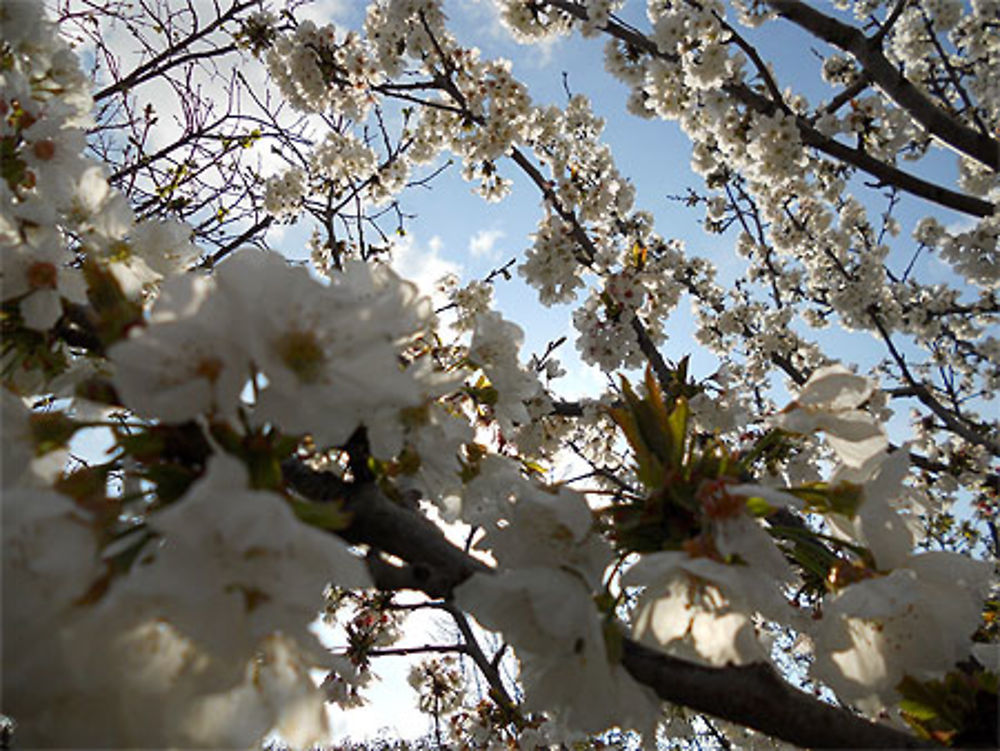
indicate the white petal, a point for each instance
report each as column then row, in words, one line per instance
column 725, row 639
column 41, row 309
column 835, row 388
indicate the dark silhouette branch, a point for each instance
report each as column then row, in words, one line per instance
column 425, row 649
column 868, row 52
column 885, row 173
column 489, row 668
column 754, row 695
column 171, row 56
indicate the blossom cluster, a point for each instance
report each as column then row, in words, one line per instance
column 177, row 582
column 258, row 318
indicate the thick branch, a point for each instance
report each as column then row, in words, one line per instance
column 753, row 696
column 652, row 354
column 435, row 565
column 883, row 172
column 868, row 52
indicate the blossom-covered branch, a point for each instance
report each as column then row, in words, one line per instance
column 867, row 51
column 747, row 553
column 750, row 695
column 885, row 173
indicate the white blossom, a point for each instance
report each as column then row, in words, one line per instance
column 916, row 621
column 830, row 401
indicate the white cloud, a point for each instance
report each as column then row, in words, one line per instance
column 961, row 224
column 276, row 234
column 323, row 11
column 483, row 243
column 485, row 15
column 423, row 267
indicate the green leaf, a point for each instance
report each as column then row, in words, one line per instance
column 681, row 373
column 116, row 313
column 639, row 255
column 771, row 443
column 614, row 641
column 487, row 395
column 844, row 498
column 285, row 445
column 959, row 710
column 677, row 425
column 97, row 389
column 917, row 711
column 147, row 445
column 758, row 507
column 648, row 467
column 172, row 480
column 264, row 469
column 87, row 485
column 651, row 429
column 408, row 461
column 533, row 467
column 654, row 397
column 13, row 169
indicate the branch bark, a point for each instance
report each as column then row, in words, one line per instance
column 885, row 173
column 868, row 52
column 754, row 696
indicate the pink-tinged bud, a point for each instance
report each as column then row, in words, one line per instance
column 717, row 503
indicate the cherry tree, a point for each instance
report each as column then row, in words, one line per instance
column 750, row 557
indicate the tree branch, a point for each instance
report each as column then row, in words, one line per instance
column 978, row 435
column 868, row 52
column 162, row 62
column 236, row 242
column 489, row 668
column 754, row 695
column 885, row 173
column 426, row 649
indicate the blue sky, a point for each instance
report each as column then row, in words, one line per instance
column 654, row 154
column 456, row 231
